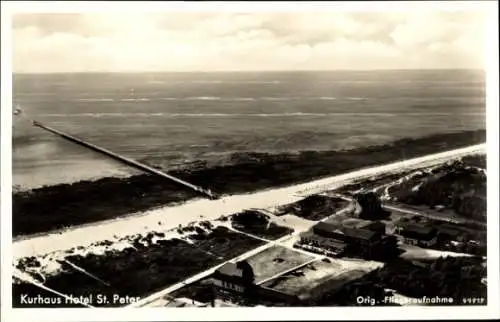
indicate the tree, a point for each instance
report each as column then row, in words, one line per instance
column 371, row 206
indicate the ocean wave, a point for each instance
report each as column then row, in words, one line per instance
column 95, row 100
column 356, row 81
column 242, row 99
column 143, row 99
column 215, row 81
column 268, row 98
column 36, row 93
column 203, row 98
column 218, row 98
column 205, row 82
column 286, row 114
column 258, row 82
column 357, row 98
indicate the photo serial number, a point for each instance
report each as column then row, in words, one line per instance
column 92, row 299
column 474, row 300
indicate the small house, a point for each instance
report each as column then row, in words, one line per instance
column 233, row 278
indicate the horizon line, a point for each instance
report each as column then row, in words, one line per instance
column 253, row 71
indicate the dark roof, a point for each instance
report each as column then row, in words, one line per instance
column 359, row 233
column 335, row 244
column 326, row 226
column 450, row 231
column 417, row 231
column 326, row 241
column 374, row 225
column 350, row 232
column 355, row 223
column 230, row 269
column 449, row 226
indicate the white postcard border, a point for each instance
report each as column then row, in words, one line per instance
column 246, row 314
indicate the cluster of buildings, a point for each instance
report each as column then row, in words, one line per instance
column 444, row 235
column 235, row 282
column 369, row 239
column 417, row 234
column 358, row 237
column 365, row 238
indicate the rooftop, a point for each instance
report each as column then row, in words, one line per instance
column 230, row 269
column 326, row 226
column 326, row 241
column 355, row 223
column 418, row 231
column 351, row 232
column 450, row 231
column 359, row 233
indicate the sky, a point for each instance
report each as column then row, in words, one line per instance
column 246, row 41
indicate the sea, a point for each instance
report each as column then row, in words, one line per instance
column 176, row 120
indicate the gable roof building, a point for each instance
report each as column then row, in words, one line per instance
column 345, row 233
column 418, row 232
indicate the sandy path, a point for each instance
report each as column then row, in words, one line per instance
column 415, row 253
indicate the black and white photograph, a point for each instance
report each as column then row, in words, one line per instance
column 238, row 158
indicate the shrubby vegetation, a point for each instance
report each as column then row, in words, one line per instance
column 314, row 207
column 455, row 277
column 477, row 160
column 259, row 224
column 453, row 186
column 371, row 206
column 371, row 183
column 146, row 267
column 60, row 206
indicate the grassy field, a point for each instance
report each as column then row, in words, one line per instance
column 321, row 276
column 274, row 260
column 259, row 224
column 315, row 207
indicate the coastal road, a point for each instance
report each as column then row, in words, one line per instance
column 422, row 213
column 441, row 217
column 170, row 217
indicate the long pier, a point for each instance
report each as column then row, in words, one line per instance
column 127, row 161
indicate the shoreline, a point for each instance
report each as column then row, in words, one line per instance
column 213, row 209
column 47, row 210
